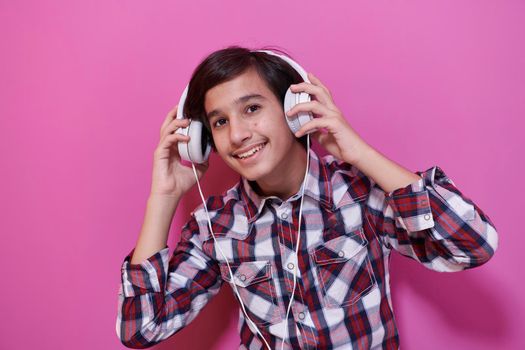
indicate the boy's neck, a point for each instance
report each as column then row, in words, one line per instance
column 287, row 179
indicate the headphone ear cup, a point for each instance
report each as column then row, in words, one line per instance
column 301, row 118
column 197, row 150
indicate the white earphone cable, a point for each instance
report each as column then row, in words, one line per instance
column 296, row 248
column 298, row 236
column 226, row 259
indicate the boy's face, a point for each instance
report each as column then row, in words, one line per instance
column 250, row 133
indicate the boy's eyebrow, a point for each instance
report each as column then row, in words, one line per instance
column 238, row 101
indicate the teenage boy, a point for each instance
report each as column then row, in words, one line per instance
column 357, row 206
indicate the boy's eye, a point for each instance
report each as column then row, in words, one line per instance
column 250, row 108
column 219, row 122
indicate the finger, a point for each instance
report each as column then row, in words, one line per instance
column 312, row 106
column 321, row 137
column 318, row 82
column 170, row 139
column 316, row 91
column 317, row 123
column 169, row 117
column 175, row 125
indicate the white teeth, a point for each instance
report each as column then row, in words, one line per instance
column 251, row 152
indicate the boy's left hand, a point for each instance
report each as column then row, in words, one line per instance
column 334, row 133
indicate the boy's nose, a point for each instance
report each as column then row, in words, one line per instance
column 239, row 131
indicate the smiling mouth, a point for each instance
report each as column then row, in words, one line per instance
column 251, row 152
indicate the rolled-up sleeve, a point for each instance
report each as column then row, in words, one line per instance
column 161, row 295
column 431, row 221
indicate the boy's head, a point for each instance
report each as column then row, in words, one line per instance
column 228, row 63
column 251, row 134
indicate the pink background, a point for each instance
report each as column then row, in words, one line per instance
column 84, row 89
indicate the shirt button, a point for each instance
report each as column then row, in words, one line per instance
column 242, row 278
column 290, row 266
column 341, row 254
column 427, row 217
column 301, row 315
column 284, row 216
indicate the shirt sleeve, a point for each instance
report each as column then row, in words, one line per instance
column 160, row 296
column 431, row 221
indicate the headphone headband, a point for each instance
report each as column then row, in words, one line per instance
column 287, row 59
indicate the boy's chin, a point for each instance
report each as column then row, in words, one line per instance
column 252, row 175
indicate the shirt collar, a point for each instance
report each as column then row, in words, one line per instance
column 318, row 187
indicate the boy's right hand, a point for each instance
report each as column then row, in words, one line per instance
column 170, row 177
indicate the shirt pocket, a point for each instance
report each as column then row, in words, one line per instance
column 343, row 269
column 256, row 289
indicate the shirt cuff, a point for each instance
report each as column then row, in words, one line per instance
column 147, row 277
column 411, row 204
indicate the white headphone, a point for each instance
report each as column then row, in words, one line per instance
column 197, row 150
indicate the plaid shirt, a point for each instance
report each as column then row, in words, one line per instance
column 342, row 298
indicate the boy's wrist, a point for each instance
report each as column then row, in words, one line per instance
column 162, row 197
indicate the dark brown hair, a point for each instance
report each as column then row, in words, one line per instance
column 228, row 63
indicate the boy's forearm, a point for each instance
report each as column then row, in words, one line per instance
column 387, row 174
column 155, row 228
